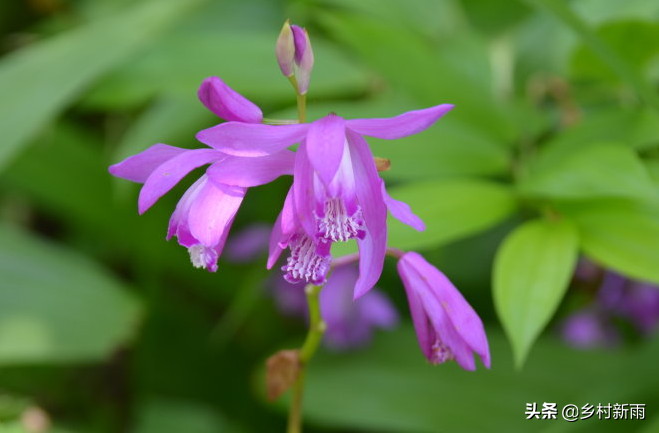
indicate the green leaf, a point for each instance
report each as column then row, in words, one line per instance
column 622, row 236
column 458, row 68
column 451, row 209
column 610, row 57
column 56, row 305
column 591, row 171
column 160, row 415
column 632, row 40
column 532, row 270
column 37, row 82
column 200, row 54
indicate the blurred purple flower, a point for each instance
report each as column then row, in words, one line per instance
column 350, row 323
column 447, row 327
column 337, row 194
column 248, row 244
column 203, row 216
column 617, row 298
column 587, row 329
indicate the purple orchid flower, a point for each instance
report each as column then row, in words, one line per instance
column 446, row 326
column 203, row 216
column 337, row 194
column 294, row 55
column 350, row 324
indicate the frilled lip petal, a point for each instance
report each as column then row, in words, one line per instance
column 402, row 212
column 373, row 247
column 213, row 211
column 325, row 143
column 137, row 168
column 391, row 128
column 168, row 174
column 247, row 172
column 227, row 103
column 247, row 139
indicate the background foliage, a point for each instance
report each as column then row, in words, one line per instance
column 551, row 153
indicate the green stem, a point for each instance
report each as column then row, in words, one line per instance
column 311, row 343
column 302, row 107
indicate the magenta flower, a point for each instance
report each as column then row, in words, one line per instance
column 350, row 323
column 295, row 56
column 203, row 216
column 337, row 194
column 446, row 325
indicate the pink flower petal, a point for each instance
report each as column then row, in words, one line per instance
column 212, row 212
column 247, row 139
column 400, row 126
column 168, row 174
column 402, row 212
column 227, row 103
column 325, row 143
column 137, row 168
column 245, row 171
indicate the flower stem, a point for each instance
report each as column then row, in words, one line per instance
column 314, row 336
column 302, row 107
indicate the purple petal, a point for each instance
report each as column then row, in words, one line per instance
column 461, row 315
column 178, row 223
column 283, row 228
column 325, row 143
column 373, row 247
column 137, row 168
column 300, row 40
column 212, row 212
column 246, row 172
column 247, row 139
column 171, row 172
column 424, row 333
column 248, row 244
column 402, row 212
column 304, row 191
column 227, row 103
column 400, row 126
column 377, row 309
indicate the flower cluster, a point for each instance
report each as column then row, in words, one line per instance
column 337, row 195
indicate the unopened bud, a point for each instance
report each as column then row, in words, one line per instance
column 303, row 58
column 286, row 50
column 382, row 164
column 282, row 370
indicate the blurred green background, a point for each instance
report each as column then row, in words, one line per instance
column 105, row 327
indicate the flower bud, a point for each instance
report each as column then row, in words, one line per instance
column 303, row 58
column 286, row 50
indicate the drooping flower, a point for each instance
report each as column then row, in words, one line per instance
column 447, row 327
column 350, row 323
column 337, row 194
column 203, row 216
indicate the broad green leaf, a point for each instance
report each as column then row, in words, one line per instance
column 455, row 71
column 199, row 54
column 622, row 236
column 532, row 270
column 451, row 209
column 158, row 415
column 591, row 171
column 37, row 82
column 637, row 128
column 56, row 305
column 618, row 64
column 361, row 391
column 632, row 40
